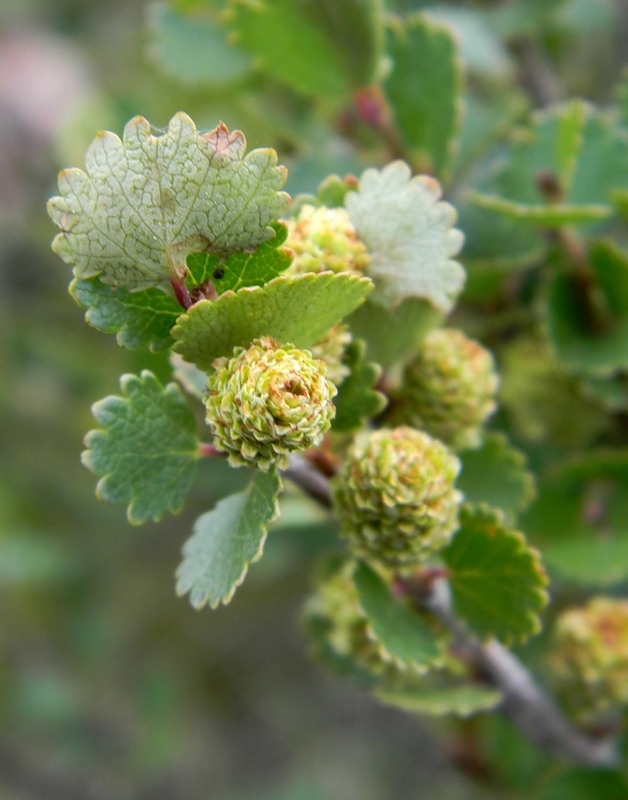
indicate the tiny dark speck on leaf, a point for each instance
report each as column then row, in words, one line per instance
column 219, row 273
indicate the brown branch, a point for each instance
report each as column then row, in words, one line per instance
column 524, row 702
column 302, row 473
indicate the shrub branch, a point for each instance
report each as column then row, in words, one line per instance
column 527, row 706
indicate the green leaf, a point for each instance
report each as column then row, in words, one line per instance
column 497, row 581
column 356, row 399
column 393, row 335
column 550, row 216
column 610, row 393
column 585, row 784
column 146, row 453
column 140, row 319
column 481, row 51
column 147, row 201
column 440, row 697
column 297, row 310
column 496, row 474
column 319, row 47
column 243, row 269
column 496, row 242
column 409, row 236
column 226, row 540
column 486, row 121
column 193, row 48
column 587, row 323
column 562, row 169
column 424, row 87
column 401, row 631
column 581, row 518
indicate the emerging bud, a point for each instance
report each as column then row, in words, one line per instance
column 266, row 401
column 589, row 660
column 395, row 496
column 449, row 388
column 331, row 349
column 324, row 239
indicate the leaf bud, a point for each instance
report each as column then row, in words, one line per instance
column 448, row 389
column 589, row 658
column 324, row 239
column 268, row 400
column 395, row 496
column 331, row 349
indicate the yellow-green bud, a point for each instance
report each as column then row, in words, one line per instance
column 589, row 659
column 324, row 239
column 268, row 400
column 395, row 496
column 449, row 388
column 331, row 349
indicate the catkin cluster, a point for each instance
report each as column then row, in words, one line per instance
column 267, row 401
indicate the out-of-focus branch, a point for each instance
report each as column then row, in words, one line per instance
column 524, row 702
column 302, row 473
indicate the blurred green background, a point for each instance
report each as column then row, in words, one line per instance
column 110, row 686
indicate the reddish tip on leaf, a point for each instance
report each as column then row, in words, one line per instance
column 221, row 139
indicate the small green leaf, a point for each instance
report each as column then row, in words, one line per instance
column 581, row 518
column 409, row 236
column 192, row 47
column 496, row 474
column 356, row 399
column 588, row 324
column 296, row 310
column 147, row 201
column 226, row 540
column 243, row 269
column 333, row 191
column 497, row 581
column 319, row 47
column 562, row 170
column 424, row 87
column 401, row 631
column 440, row 697
column 140, row 319
column 146, row 453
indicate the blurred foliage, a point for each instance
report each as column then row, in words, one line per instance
column 110, row 687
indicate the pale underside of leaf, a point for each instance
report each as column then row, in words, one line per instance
column 409, row 235
column 146, row 201
column 226, row 541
